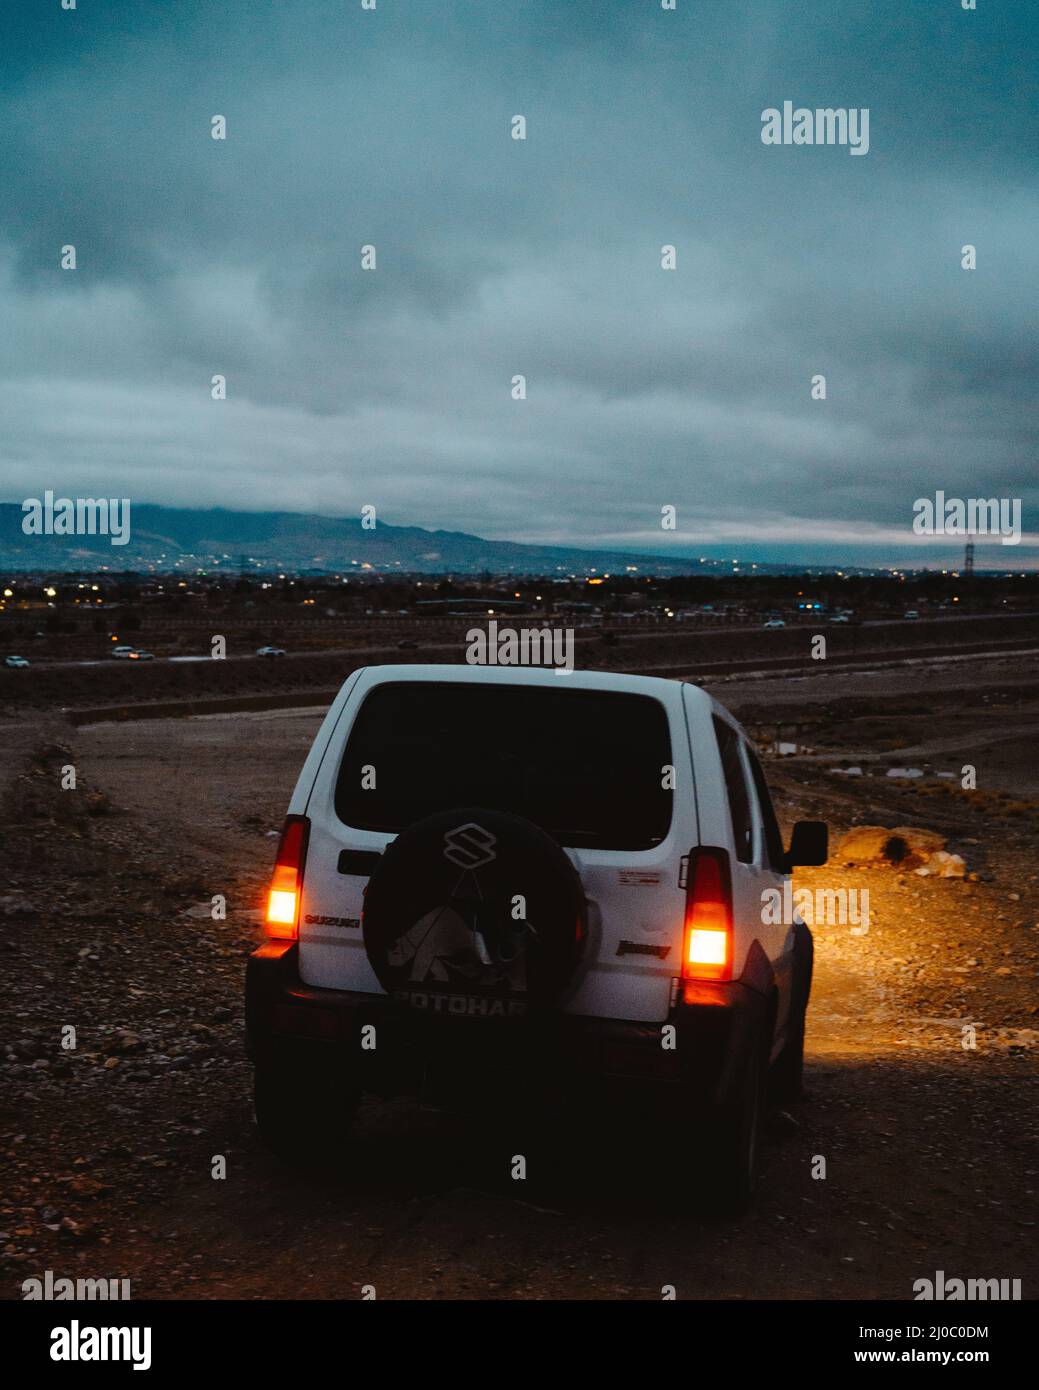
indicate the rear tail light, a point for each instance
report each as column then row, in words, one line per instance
column 287, row 880
column 707, row 945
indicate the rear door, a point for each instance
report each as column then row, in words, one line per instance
column 636, row 899
column 607, row 772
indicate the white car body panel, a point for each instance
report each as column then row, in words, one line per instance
column 633, row 895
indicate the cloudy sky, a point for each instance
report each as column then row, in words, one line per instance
column 498, row 257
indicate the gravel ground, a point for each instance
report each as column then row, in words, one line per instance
column 108, row 1149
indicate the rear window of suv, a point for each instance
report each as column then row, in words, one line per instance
column 584, row 765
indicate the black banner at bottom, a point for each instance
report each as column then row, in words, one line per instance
column 181, row 1338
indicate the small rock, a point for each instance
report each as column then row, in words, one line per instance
column 948, row 865
column 904, row 847
column 16, row 905
column 84, row 1231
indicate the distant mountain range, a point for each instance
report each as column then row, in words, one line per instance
column 189, row 539
column 186, row 539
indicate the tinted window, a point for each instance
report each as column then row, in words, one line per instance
column 736, row 786
column 773, row 839
column 585, row 765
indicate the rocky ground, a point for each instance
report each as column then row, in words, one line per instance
column 108, row 1149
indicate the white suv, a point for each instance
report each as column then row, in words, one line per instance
column 514, row 874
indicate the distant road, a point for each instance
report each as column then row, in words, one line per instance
column 585, row 634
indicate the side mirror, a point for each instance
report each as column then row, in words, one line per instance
column 809, row 844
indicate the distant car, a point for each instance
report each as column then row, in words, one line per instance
column 911, row 613
column 122, row 653
column 840, row 618
column 775, row 622
column 270, row 651
column 407, row 646
column 15, row 662
column 137, row 655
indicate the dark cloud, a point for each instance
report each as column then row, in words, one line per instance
column 499, row 257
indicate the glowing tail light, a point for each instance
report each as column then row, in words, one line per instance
column 287, row 880
column 707, row 947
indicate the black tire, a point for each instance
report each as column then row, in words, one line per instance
column 304, row 1108
column 787, row 1080
column 729, row 1140
column 440, row 920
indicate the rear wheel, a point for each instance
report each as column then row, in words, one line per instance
column 304, row 1109
column 787, row 1080
column 727, row 1143
column 788, row 1072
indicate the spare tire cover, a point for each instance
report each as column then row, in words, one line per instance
column 474, row 913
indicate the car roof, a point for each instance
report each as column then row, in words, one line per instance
column 656, row 686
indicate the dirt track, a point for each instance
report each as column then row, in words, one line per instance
column 930, row 1149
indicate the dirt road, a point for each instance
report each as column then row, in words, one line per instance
column 108, row 1150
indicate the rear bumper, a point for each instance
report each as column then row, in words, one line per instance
column 702, row 1051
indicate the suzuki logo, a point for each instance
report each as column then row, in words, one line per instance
column 469, row 846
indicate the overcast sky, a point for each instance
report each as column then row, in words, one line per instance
column 497, row 257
